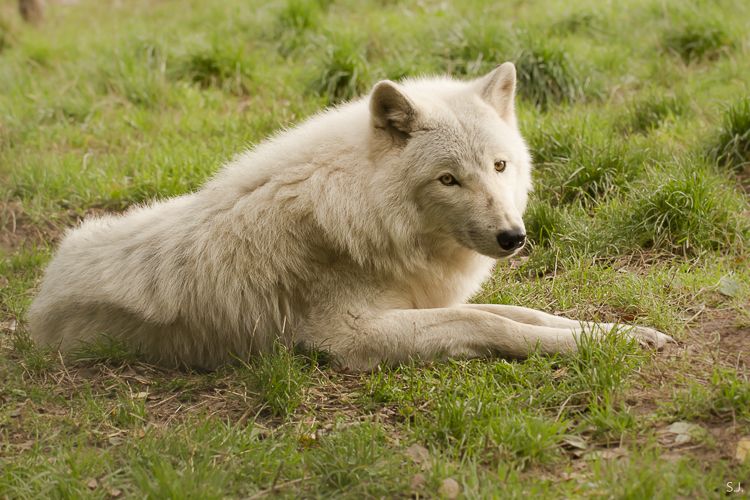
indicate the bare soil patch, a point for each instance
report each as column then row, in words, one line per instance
column 728, row 333
column 18, row 230
column 719, row 337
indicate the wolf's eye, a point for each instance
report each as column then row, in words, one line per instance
column 500, row 165
column 448, row 180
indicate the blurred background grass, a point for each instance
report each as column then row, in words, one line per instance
column 638, row 117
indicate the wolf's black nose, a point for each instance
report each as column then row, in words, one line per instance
column 510, row 240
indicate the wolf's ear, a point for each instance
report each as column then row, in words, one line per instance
column 392, row 110
column 498, row 88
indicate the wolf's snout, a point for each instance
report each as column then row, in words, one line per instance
column 511, row 240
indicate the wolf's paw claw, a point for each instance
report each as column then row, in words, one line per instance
column 651, row 338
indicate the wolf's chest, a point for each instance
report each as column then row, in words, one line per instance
column 447, row 283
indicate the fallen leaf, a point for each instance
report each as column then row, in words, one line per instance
column 575, row 442
column 607, row 454
column 683, row 432
column 729, row 286
column 682, row 438
column 92, row 484
column 114, row 492
column 449, row 488
column 743, row 449
column 8, row 325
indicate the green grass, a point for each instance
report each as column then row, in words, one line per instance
column 343, row 70
column 548, row 75
column 726, row 395
column 636, row 116
column 732, row 145
column 697, row 40
column 280, row 379
column 224, row 65
column 689, row 212
column 652, row 112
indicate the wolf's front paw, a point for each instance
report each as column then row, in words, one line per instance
column 649, row 337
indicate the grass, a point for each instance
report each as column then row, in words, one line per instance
column 280, row 379
column 732, row 145
column 639, row 132
column 224, row 66
column 652, row 112
column 687, row 213
column 343, row 71
column 697, row 40
column 726, row 395
column 548, row 75
column 475, row 48
column 299, row 15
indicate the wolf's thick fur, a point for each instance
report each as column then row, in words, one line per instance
column 362, row 232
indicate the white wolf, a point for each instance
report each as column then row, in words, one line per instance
column 361, row 232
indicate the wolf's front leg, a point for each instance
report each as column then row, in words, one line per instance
column 528, row 316
column 361, row 342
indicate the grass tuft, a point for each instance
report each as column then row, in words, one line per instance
column 280, row 378
column 608, row 421
column 595, row 173
column 652, row 112
column 496, row 411
column 725, row 396
column 343, row 72
column 299, row 15
column 105, row 350
column 544, row 223
column 579, row 164
column 547, row 75
column 732, row 146
column 160, row 477
column 136, row 72
column 35, row 361
column 651, row 476
column 602, row 364
column 6, row 35
column 697, row 40
column 578, row 22
column 129, row 410
column 296, row 20
column 352, row 461
column 526, row 439
column 222, row 65
column 476, row 49
column 687, row 212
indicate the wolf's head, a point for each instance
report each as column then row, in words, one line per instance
column 456, row 147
